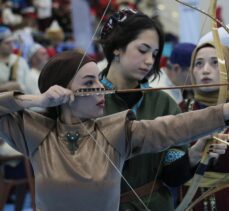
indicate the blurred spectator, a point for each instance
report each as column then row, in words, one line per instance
column 44, row 13
column 179, row 63
column 176, row 71
column 8, row 17
column 37, row 58
column 55, row 34
column 14, row 68
column 62, row 13
column 30, row 17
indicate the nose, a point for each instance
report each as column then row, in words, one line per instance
column 149, row 59
column 99, row 84
column 206, row 68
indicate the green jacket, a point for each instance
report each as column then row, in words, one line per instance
column 142, row 169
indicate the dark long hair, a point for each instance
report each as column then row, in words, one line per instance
column 121, row 33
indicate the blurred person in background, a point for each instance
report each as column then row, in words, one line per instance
column 37, row 58
column 205, row 70
column 176, row 72
column 44, row 13
column 14, row 69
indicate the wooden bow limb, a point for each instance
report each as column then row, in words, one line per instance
column 196, row 179
column 219, row 52
column 207, row 194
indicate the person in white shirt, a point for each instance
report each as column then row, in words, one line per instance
column 44, row 13
column 37, row 57
column 14, row 68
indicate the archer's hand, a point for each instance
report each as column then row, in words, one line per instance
column 218, row 148
column 214, row 151
column 56, row 95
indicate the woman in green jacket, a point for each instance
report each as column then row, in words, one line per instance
column 132, row 44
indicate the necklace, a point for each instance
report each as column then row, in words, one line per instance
column 71, row 139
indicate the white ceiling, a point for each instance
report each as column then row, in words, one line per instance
column 169, row 14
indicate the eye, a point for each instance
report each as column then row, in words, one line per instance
column 143, row 49
column 198, row 63
column 214, row 62
column 88, row 83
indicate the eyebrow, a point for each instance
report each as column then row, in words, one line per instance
column 89, row 76
column 149, row 47
column 146, row 45
column 211, row 57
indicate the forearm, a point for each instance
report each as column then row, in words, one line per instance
column 194, row 156
column 16, row 101
column 27, row 101
column 177, row 130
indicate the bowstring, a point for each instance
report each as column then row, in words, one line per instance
column 112, row 163
column 100, row 148
column 94, row 34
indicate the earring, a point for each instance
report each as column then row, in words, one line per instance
column 117, row 58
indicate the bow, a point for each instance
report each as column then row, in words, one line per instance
column 221, row 99
column 105, row 152
column 219, row 52
column 207, row 194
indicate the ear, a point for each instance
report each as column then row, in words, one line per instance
column 116, row 52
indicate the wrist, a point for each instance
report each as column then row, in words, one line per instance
column 194, row 156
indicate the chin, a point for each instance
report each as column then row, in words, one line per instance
column 138, row 78
column 100, row 113
column 97, row 115
column 210, row 89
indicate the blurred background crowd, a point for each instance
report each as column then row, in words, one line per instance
column 60, row 25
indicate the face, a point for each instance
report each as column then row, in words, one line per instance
column 138, row 58
column 6, row 47
column 92, row 106
column 41, row 57
column 179, row 75
column 206, row 70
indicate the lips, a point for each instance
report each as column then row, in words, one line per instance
column 101, row 103
column 206, row 80
column 144, row 70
